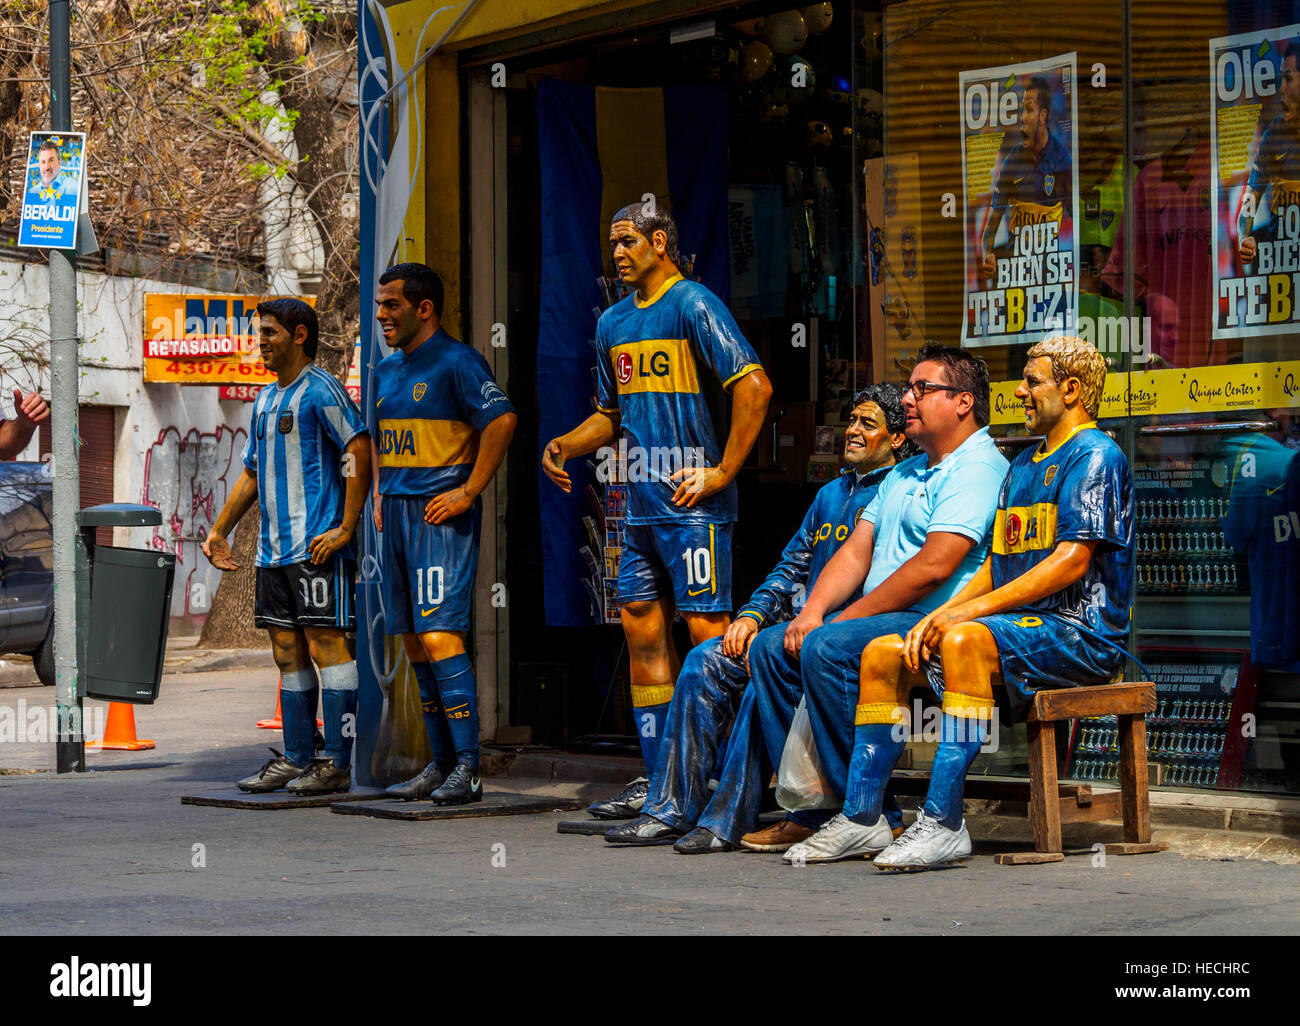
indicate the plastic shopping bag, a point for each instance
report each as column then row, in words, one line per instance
column 800, row 784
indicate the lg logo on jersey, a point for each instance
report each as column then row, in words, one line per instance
column 660, row 366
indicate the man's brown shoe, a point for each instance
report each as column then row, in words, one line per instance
column 776, row 838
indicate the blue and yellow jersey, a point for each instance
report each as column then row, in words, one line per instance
column 647, row 369
column 1080, row 491
column 429, row 409
column 1277, row 163
column 830, row 520
column 1034, row 189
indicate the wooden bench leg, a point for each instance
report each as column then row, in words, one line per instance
column 1044, row 796
column 1134, row 794
column 1136, row 800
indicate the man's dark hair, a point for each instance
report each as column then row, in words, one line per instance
column 419, row 282
column 47, row 145
column 1292, row 51
column 966, row 372
column 291, row 313
column 1042, row 91
column 648, row 218
column 890, row 400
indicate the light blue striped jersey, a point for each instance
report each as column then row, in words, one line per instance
column 295, row 447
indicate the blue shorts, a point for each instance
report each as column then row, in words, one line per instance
column 690, row 562
column 1040, row 649
column 428, row 570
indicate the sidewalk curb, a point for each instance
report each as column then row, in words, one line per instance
column 209, row 660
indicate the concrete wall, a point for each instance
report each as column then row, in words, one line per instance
column 178, row 447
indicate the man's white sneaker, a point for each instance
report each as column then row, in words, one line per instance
column 926, row 844
column 841, row 838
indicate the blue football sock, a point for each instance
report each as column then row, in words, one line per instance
column 339, row 698
column 960, row 738
column 876, row 748
column 460, row 706
column 298, row 714
column 435, row 723
column 650, row 704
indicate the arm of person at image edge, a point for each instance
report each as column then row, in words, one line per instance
column 486, row 407
column 29, row 411
column 1083, row 524
column 777, row 592
column 958, row 523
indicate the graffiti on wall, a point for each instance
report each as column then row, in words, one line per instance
column 187, row 475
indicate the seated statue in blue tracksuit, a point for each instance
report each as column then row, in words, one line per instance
column 1048, row 608
column 919, row 541
column 716, row 672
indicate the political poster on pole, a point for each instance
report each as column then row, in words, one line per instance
column 1020, row 200
column 52, row 190
column 1255, row 177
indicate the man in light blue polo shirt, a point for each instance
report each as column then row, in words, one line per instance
column 923, row 536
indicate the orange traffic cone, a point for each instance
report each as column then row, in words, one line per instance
column 119, row 733
column 275, row 722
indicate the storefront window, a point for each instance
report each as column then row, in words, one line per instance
column 1188, row 289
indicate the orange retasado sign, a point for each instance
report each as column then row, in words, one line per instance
column 203, row 339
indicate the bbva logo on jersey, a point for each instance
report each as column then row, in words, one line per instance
column 396, row 441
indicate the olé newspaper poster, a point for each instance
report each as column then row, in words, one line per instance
column 1255, row 175
column 1020, row 200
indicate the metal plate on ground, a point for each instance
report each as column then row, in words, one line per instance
column 587, row 826
column 498, row 803
column 233, row 798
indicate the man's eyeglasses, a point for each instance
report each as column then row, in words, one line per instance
column 923, row 388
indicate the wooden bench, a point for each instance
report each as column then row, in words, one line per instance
column 1051, row 803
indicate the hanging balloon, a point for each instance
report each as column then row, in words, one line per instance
column 819, row 135
column 755, row 61
column 818, row 18
column 721, row 59
column 785, row 32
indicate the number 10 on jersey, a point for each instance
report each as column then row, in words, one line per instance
column 426, row 592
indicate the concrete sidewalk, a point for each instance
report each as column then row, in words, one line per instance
column 114, row 850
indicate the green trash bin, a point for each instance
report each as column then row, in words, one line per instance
column 130, row 609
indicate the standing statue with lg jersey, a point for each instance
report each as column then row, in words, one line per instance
column 307, row 462
column 677, row 542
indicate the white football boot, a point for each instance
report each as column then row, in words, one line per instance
column 841, row 838
column 926, row 844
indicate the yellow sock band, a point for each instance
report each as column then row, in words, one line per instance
column 644, row 695
column 880, row 712
column 966, row 706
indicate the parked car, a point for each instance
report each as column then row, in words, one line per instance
column 27, row 564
